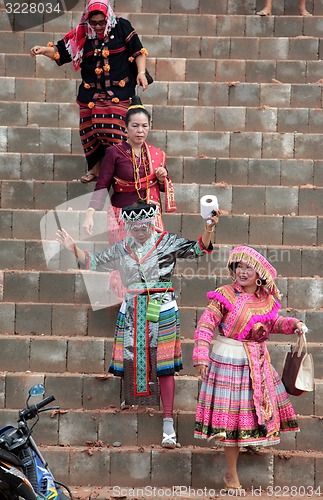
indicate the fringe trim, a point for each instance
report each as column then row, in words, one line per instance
column 262, row 318
column 216, row 295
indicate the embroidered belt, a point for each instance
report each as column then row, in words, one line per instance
column 129, row 187
column 145, row 289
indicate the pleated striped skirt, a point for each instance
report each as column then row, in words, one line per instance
column 101, row 127
column 226, row 412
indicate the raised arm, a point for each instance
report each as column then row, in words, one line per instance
column 67, row 241
column 41, row 50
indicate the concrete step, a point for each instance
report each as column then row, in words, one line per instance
column 137, row 426
column 183, row 69
column 269, row 230
column 162, row 23
column 186, row 24
column 290, row 145
column 260, row 200
column 224, row 25
column 182, row 118
column 68, row 287
column 79, row 320
column 153, row 467
column 182, row 169
column 188, row 492
column 55, row 91
column 204, row 47
column 41, row 352
column 291, row 261
column 231, row 7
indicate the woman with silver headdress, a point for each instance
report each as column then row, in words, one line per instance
column 147, row 336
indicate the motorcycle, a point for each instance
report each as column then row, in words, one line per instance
column 24, row 473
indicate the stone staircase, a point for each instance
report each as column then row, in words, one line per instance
column 237, row 106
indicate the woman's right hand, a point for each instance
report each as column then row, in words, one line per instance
column 37, row 50
column 88, row 223
column 65, row 239
column 40, row 50
column 202, row 371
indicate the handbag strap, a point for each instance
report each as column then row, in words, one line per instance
column 301, row 345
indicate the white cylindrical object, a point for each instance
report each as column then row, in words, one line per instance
column 208, row 203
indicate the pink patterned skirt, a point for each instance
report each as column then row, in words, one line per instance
column 226, row 410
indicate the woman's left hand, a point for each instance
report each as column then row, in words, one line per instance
column 213, row 220
column 142, row 80
column 161, row 174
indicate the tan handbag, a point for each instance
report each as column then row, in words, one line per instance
column 298, row 371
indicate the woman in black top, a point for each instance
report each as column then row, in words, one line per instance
column 112, row 60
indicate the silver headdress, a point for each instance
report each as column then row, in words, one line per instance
column 139, row 213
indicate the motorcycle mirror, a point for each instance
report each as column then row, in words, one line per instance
column 37, row 390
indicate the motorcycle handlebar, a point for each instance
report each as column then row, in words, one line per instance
column 32, row 411
column 45, row 402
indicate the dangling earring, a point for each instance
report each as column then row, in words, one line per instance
column 258, row 282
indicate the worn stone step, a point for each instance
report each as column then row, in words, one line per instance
column 92, row 355
column 79, row 320
column 230, row 7
column 70, row 320
column 161, row 23
column 197, row 24
column 233, row 119
column 225, row 25
column 259, row 200
column 256, row 230
column 182, row 69
column 101, row 493
column 58, row 90
column 29, row 254
column 204, row 47
column 232, row 229
column 153, row 466
column 182, row 118
column 69, row 287
column 65, row 140
column 108, row 424
column 182, row 169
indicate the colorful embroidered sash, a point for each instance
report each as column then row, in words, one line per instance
column 264, row 396
column 141, row 361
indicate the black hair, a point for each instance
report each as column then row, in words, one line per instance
column 136, row 107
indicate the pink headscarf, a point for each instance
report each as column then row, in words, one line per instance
column 75, row 39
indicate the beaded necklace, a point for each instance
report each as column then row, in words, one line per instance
column 136, row 173
column 97, row 49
